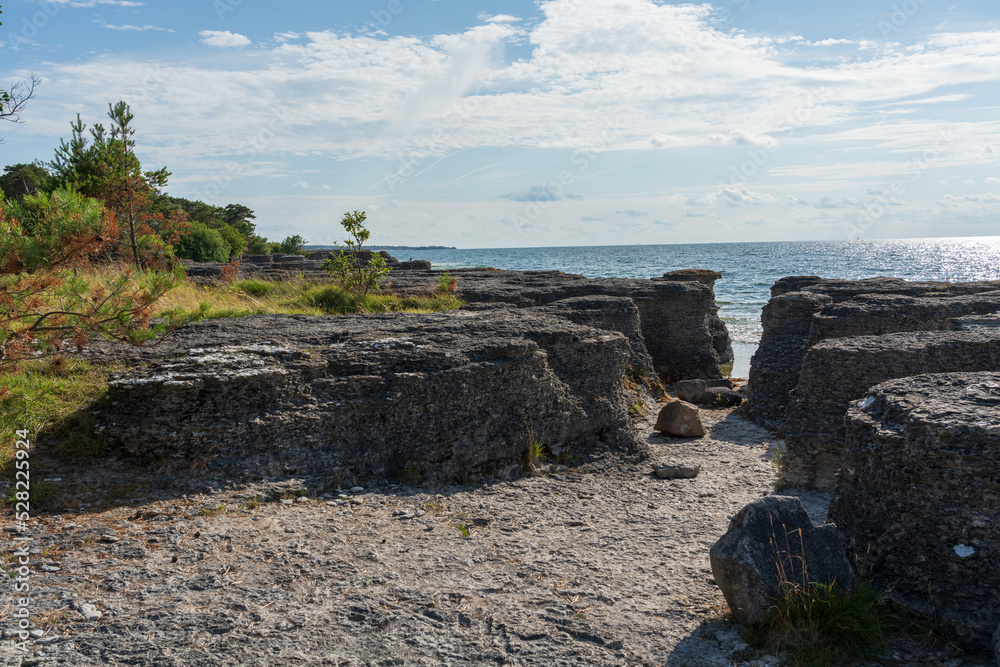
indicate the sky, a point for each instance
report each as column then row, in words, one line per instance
column 539, row 123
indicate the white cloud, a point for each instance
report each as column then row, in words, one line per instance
column 949, row 201
column 140, row 28
column 732, row 195
column 601, row 76
column 743, row 138
column 992, row 179
column 223, row 38
column 499, row 18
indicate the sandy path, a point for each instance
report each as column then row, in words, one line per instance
column 600, row 564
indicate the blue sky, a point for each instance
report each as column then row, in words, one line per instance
column 557, row 122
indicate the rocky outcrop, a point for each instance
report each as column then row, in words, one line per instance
column 805, row 310
column 835, row 373
column 771, row 546
column 368, row 397
column 280, row 266
column 918, row 499
column 679, row 319
column 610, row 313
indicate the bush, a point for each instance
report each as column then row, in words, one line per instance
column 202, row 244
column 350, row 267
column 45, row 229
column 292, row 245
column 258, row 245
column 237, row 242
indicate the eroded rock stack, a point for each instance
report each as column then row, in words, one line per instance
column 825, row 342
column 679, row 317
column 281, row 266
column 918, row 500
column 444, row 395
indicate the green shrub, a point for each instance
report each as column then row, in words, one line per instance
column 349, row 266
column 237, row 242
column 202, row 244
column 291, row 245
column 38, row 229
column 258, row 245
column 256, row 288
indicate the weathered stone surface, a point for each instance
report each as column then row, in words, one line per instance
column 837, row 372
column 680, row 323
column 721, row 397
column 449, row 394
column 918, row 498
column 677, row 470
column 680, row 419
column 690, row 390
column 793, row 321
column 769, row 536
column 720, row 382
column 996, row 645
column 610, row 313
column 703, row 276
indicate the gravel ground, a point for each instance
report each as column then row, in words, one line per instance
column 592, row 563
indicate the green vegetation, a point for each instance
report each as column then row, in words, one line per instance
column 446, row 283
column 815, row 626
column 354, row 272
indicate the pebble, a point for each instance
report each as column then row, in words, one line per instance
column 302, row 499
column 37, row 633
column 89, row 612
column 287, row 501
column 677, row 470
column 357, row 489
column 49, row 568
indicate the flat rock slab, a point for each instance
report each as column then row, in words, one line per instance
column 918, row 499
column 442, row 396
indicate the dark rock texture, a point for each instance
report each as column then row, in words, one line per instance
column 805, row 310
column 680, row 323
column 918, row 499
column 837, row 372
column 367, row 397
column 281, row 267
column 610, row 313
column 769, row 536
column 703, row 276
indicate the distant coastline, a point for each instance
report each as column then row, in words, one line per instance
column 387, row 247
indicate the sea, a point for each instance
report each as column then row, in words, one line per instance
column 748, row 269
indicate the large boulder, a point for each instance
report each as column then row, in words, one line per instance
column 690, row 390
column 679, row 419
column 771, row 545
column 449, row 394
column 918, row 497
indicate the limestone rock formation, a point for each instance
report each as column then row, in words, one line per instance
column 679, row 319
column 448, row 395
column 918, row 498
column 838, row 372
column 679, row 419
column 805, row 310
column 771, row 536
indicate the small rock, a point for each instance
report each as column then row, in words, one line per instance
column 89, row 612
column 49, row 568
column 690, row 390
column 302, row 499
column 357, row 489
column 677, row 470
column 680, row 418
column 721, row 397
column 287, row 501
column 37, row 633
